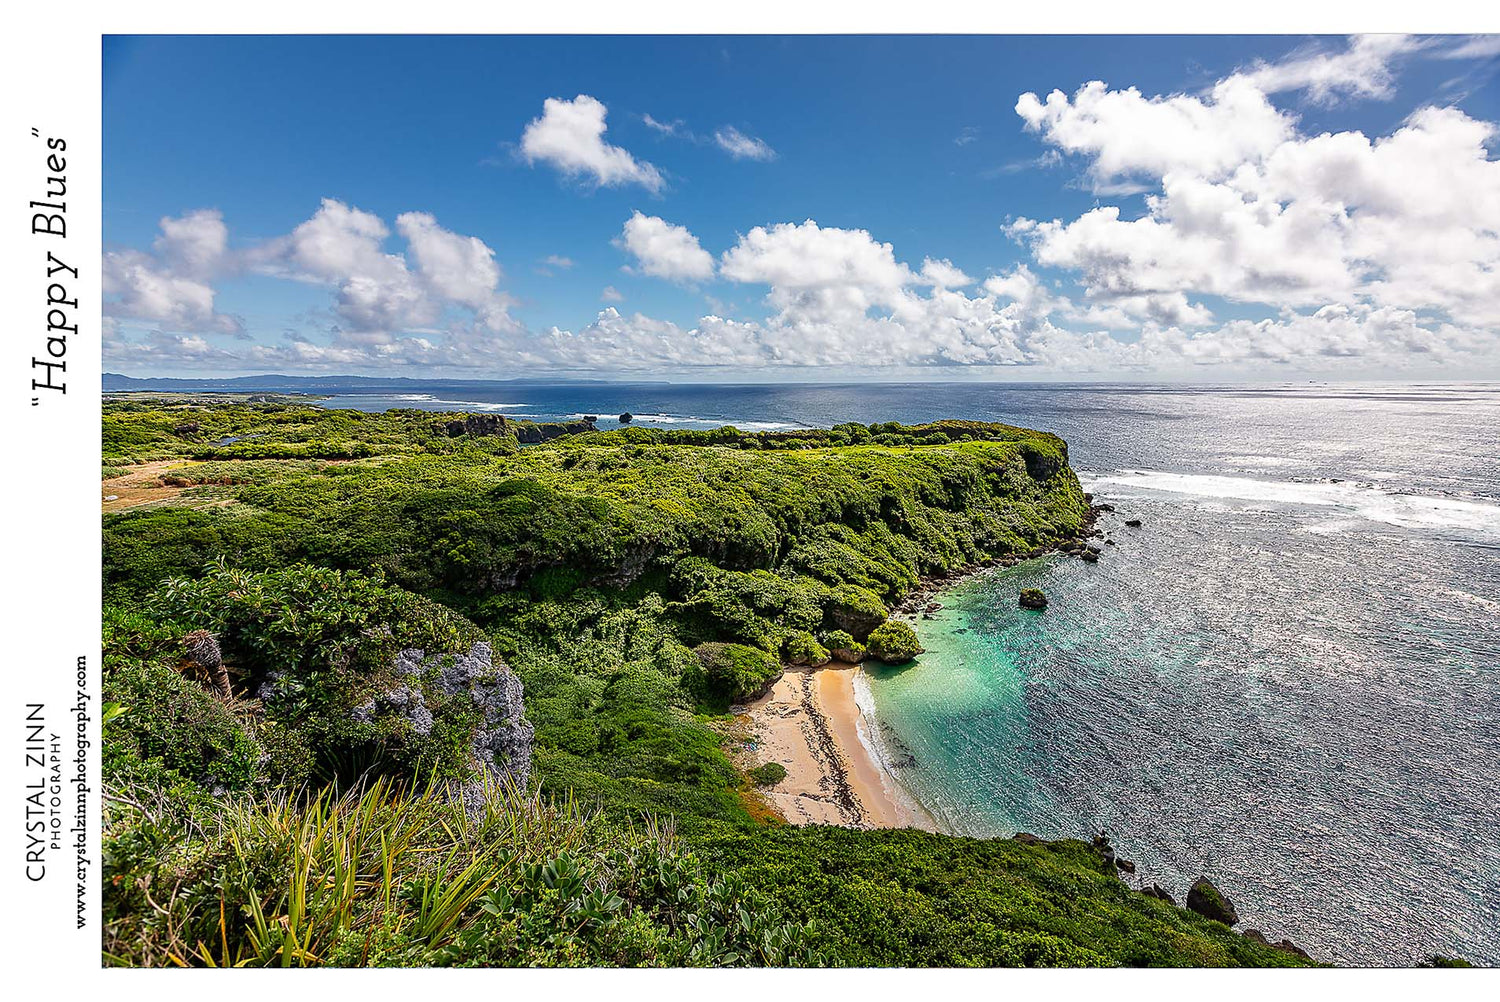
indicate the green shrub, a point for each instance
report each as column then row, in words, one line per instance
column 894, row 643
column 899, row 898
column 802, row 648
column 856, row 610
column 319, row 649
column 768, row 774
column 844, row 647
column 730, row 672
column 165, row 717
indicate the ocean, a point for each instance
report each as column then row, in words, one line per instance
column 1287, row 678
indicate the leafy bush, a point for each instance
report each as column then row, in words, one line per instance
column 894, row 643
column 856, row 610
column 803, row 649
column 768, row 774
column 844, row 647
column 730, row 672
column 350, row 673
column 169, row 719
column 898, row 898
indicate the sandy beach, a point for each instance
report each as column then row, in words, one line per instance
column 809, row 722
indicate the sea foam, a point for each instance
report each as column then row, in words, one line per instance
column 1368, row 501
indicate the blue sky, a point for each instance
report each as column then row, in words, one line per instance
column 917, row 141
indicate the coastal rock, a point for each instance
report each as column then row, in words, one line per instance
column 1160, row 893
column 1090, row 556
column 627, row 417
column 1026, row 838
column 1134, row 523
column 1106, row 851
column 1125, row 865
column 1032, row 598
column 501, row 741
column 1285, row 945
column 478, row 424
column 1207, row 900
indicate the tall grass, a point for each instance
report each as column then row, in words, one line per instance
column 388, row 875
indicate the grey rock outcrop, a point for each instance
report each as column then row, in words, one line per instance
column 1207, row 900
column 502, row 740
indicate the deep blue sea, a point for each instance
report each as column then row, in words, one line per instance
column 1288, row 678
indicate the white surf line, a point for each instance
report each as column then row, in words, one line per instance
column 867, row 726
column 1412, row 511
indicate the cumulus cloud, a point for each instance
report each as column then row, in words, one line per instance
column 665, row 250
column 611, row 295
column 943, row 274
column 172, row 287
column 569, row 135
column 1124, row 132
column 743, row 147
column 379, row 293
column 828, row 273
column 194, row 244
column 1408, row 220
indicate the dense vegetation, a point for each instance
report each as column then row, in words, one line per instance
column 379, row 587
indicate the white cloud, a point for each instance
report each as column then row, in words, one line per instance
column 1361, row 70
column 1473, row 47
column 743, row 147
column 1124, row 132
column 823, row 274
column 458, row 268
column 943, row 274
column 569, row 135
column 671, row 128
column 195, row 243
column 1408, row 220
column 378, row 293
column 172, row 287
column 611, row 295
column 665, row 250
column 558, row 261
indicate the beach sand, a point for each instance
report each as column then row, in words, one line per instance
column 809, row 722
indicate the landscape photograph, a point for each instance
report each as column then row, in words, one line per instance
column 800, row 501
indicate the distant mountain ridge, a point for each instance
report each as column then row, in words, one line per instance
column 115, row 382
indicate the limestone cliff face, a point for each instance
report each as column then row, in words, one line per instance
column 502, row 737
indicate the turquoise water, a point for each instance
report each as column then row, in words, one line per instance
column 1237, row 688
